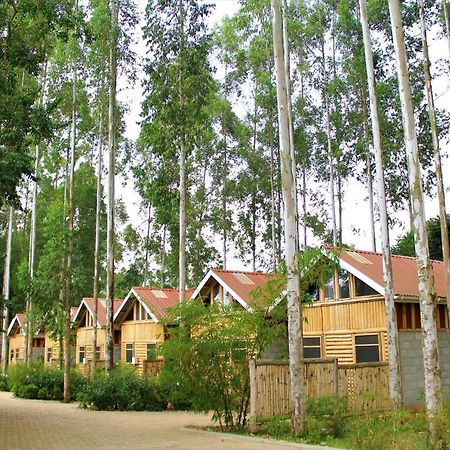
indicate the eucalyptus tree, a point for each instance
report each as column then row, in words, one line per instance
column 437, row 154
column 433, row 400
column 392, row 331
column 177, row 87
column 294, row 311
column 6, row 292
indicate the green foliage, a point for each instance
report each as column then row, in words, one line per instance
column 4, row 382
column 206, row 358
column 40, row 382
column 121, row 390
column 326, row 416
column 405, row 245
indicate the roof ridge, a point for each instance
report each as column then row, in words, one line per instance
column 241, row 271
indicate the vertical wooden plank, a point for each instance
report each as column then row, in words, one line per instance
column 335, row 377
column 253, row 396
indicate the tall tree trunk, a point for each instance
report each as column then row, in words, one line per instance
column 296, row 364
column 68, row 282
column 5, row 292
column 395, row 390
column 224, row 177
column 182, row 162
column 368, row 165
column 272, row 194
column 437, row 157
column 112, row 130
column 433, row 399
column 329, row 147
column 447, row 24
column 31, row 259
column 163, row 254
column 97, row 245
column 287, row 69
column 147, row 242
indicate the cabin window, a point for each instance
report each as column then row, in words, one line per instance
column 314, row 293
column 363, row 289
column 142, row 313
column 344, row 289
column 129, row 353
column 329, row 289
column 367, row 348
column 151, row 352
column 130, row 314
column 17, row 354
column 12, row 355
column 311, row 347
column 97, row 352
column 49, row 354
column 81, row 355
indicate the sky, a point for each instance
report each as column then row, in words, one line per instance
column 356, row 206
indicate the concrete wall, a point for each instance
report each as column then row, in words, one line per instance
column 411, row 360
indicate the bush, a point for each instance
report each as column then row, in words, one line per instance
column 122, row 390
column 41, row 382
column 326, row 416
column 4, row 382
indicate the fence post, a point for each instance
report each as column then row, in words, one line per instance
column 336, row 376
column 253, row 395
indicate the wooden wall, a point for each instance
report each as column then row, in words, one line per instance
column 84, row 339
column 140, row 333
column 337, row 323
column 16, row 342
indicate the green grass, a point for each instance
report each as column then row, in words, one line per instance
column 400, row 430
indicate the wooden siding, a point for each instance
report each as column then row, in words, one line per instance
column 350, row 315
column 140, row 333
column 337, row 324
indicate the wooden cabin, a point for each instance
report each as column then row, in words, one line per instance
column 139, row 318
column 347, row 318
column 16, row 337
column 54, row 349
column 84, row 327
column 232, row 286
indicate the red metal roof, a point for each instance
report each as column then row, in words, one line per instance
column 243, row 283
column 101, row 309
column 404, row 270
column 159, row 300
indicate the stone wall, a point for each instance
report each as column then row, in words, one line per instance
column 411, row 360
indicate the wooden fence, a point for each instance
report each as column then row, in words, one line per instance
column 152, row 368
column 364, row 384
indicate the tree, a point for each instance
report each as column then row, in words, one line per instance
column 424, row 270
column 206, row 357
column 6, row 292
column 392, row 332
column 296, row 364
column 405, row 244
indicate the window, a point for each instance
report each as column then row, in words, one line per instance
column 81, row 355
column 151, row 352
column 97, row 352
column 344, row 290
column 49, row 354
column 313, row 292
column 363, row 289
column 311, row 347
column 129, row 353
column 329, row 289
column 367, row 348
column 17, row 354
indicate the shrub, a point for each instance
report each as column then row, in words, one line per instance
column 122, row 390
column 41, row 382
column 326, row 416
column 4, row 382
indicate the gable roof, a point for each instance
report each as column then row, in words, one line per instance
column 17, row 322
column 240, row 284
column 156, row 301
column 88, row 303
column 368, row 266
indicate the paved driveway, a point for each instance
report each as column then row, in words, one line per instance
column 36, row 424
